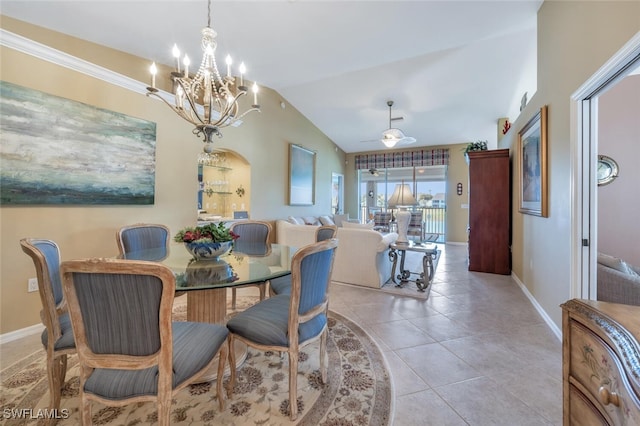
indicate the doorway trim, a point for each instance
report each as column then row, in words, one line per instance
column 583, row 151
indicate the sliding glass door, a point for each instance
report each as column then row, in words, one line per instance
column 428, row 184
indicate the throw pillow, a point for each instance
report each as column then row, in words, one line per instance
column 311, row 220
column 338, row 219
column 294, row 220
column 613, row 263
column 357, row 225
column 327, row 221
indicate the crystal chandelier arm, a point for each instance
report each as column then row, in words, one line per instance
column 178, row 111
column 188, row 93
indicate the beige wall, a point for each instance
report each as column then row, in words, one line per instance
column 87, row 231
column 458, row 171
column 574, row 40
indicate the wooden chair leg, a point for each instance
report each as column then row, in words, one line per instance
column 56, row 370
column 86, row 407
column 232, row 365
column 263, row 290
column 293, row 385
column 222, row 355
column 323, row 356
column 233, row 299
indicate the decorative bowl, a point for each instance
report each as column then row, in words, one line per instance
column 209, row 272
column 208, row 250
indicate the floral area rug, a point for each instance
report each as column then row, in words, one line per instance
column 358, row 391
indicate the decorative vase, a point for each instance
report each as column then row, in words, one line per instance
column 208, row 250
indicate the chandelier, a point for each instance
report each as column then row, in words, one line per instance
column 218, row 95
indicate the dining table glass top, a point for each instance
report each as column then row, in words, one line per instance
column 243, row 264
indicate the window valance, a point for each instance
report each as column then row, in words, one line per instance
column 389, row 160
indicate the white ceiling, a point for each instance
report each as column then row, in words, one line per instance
column 453, row 68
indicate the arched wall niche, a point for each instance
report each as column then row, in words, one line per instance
column 224, row 185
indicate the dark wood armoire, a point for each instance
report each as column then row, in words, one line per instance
column 490, row 211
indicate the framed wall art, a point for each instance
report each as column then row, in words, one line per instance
column 337, row 193
column 302, row 172
column 532, row 154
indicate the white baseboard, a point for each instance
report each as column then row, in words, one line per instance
column 547, row 319
column 19, row 334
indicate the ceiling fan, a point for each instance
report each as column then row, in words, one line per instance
column 394, row 136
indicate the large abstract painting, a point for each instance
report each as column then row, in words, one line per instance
column 59, row 151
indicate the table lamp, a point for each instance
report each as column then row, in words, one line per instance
column 401, row 199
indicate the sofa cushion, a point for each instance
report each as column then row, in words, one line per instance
column 368, row 225
column 386, row 240
column 339, row 219
column 614, row 263
column 327, row 221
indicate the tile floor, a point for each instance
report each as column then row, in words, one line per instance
column 476, row 352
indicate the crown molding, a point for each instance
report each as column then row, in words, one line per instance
column 49, row 54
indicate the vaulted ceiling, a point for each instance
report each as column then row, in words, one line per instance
column 452, row 68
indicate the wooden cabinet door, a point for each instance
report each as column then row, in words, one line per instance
column 489, row 212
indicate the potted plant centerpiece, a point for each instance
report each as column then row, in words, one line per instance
column 474, row 146
column 207, row 241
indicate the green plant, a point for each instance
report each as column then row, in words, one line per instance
column 476, row 146
column 214, row 233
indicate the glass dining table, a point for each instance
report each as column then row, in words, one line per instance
column 206, row 281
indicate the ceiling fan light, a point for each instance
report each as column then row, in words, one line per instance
column 393, row 133
column 389, row 143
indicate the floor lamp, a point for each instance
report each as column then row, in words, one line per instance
column 401, row 199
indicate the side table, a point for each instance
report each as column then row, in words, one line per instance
column 425, row 278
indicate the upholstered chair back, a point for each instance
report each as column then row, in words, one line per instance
column 144, row 236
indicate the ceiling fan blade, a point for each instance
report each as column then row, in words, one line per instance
column 407, row 140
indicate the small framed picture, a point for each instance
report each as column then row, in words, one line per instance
column 532, row 153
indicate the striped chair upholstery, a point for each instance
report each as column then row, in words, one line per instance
column 144, row 236
column 254, row 238
column 282, row 285
column 286, row 323
column 381, row 221
column 129, row 349
column 416, row 225
column 326, row 233
column 57, row 337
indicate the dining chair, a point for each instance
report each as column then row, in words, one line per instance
column 251, row 233
column 129, row 350
column 282, row 285
column 144, row 236
column 57, row 337
column 286, row 323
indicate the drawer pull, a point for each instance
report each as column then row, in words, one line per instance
column 607, row 397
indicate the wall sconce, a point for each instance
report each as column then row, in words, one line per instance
column 459, row 188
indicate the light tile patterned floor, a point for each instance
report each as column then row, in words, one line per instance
column 475, row 353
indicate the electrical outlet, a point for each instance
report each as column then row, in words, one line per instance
column 32, row 285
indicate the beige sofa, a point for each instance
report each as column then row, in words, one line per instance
column 362, row 257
